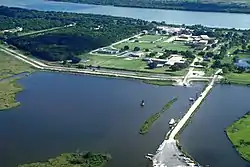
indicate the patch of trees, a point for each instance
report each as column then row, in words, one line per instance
column 69, row 42
column 179, row 66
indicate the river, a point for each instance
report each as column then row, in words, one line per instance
column 212, row 19
column 63, row 113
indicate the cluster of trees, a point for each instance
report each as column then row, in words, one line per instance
column 88, row 159
column 90, row 32
column 201, row 5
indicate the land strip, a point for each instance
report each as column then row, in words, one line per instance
column 239, row 134
column 10, row 68
column 74, row 159
column 149, row 122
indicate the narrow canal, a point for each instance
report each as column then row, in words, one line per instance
column 204, row 138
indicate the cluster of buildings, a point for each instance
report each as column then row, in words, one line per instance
column 165, row 30
column 170, row 61
column 199, row 42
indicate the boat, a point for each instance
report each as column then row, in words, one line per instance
column 142, row 103
column 191, row 99
column 171, row 122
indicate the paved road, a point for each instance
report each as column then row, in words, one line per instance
column 112, row 73
column 168, row 155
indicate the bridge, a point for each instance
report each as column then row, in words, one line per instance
column 168, row 154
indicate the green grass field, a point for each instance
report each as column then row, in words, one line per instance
column 239, row 134
column 238, row 78
column 116, row 62
column 150, row 37
column 11, row 66
column 127, row 64
column 158, row 46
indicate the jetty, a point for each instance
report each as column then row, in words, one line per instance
column 168, row 154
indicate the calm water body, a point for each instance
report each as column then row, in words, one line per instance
column 204, row 137
column 62, row 113
column 228, row 20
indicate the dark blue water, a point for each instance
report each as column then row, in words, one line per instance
column 63, row 113
column 204, row 138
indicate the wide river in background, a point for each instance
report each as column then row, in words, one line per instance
column 63, row 113
column 212, row 19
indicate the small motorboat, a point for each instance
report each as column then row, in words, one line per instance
column 171, row 122
column 142, row 103
column 191, row 99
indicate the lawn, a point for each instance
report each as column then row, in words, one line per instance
column 239, row 134
column 10, row 66
column 127, row 64
column 150, row 37
column 180, row 46
column 116, row 62
column 157, row 47
column 238, row 78
column 141, row 45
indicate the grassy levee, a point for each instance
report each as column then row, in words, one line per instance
column 149, row 122
column 237, row 78
column 74, row 160
column 239, row 134
column 159, row 83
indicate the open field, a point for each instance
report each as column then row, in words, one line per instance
column 8, row 91
column 146, row 42
column 238, row 78
column 239, row 134
column 151, row 37
column 10, row 66
column 127, row 63
column 116, row 62
column 179, row 46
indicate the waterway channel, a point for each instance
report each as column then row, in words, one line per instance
column 213, row 19
column 63, row 113
column 204, row 138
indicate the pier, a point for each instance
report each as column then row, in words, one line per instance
column 168, row 153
